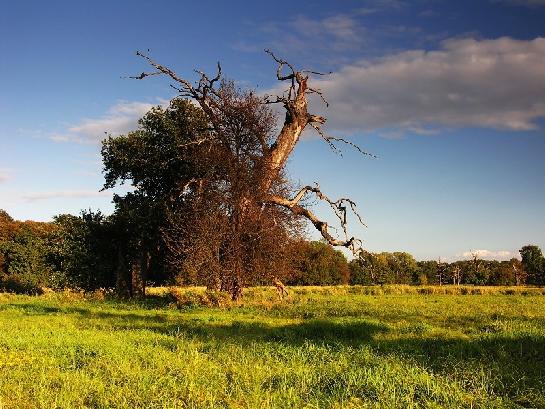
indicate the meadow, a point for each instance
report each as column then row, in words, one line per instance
column 321, row 347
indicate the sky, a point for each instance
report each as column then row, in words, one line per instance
column 450, row 97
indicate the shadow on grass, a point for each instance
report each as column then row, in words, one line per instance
column 120, row 319
column 42, row 309
column 504, row 364
column 512, row 365
column 314, row 331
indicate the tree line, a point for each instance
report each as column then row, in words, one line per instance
column 83, row 252
column 402, row 268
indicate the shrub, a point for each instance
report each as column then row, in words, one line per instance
column 194, row 298
column 20, row 284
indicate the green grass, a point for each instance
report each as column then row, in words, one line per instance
column 320, row 348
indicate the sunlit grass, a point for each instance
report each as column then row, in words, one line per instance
column 320, row 347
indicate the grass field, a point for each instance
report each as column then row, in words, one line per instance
column 320, row 348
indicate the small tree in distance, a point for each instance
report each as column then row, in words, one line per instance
column 534, row 264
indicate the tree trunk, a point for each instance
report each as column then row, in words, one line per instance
column 122, row 282
column 139, row 272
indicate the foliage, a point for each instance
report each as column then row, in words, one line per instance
column 384, row 268
column 318, row 263
column 401, row 268
column 76, row 252
column 534, row 264
column 26, row 256
column 185, row 298
column 427, row 272
column 154, row 161
column 86, row 250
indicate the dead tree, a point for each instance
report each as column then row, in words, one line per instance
column 271, row 158
column 518, row 272
column 456, row 273
column 441, row 270
column 476, row 262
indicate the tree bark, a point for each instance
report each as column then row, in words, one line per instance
column 138, row 275
column 122, row 282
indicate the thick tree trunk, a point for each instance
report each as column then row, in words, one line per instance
column 139, row 272
column 122, row 282
column 131, row 280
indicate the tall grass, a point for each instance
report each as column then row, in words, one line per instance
column 320, row 347
column 194, row 296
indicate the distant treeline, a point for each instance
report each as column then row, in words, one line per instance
column 84, row 252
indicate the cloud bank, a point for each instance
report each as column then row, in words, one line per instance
column 466, row 83
column 490, row 255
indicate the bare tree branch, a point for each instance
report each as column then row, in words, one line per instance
column 167, row 71
column 347, row 142
column 330, row 139
column 281, row 64
column 144, row 75
column 317, row 72
column 319, row 93
column 339, row 207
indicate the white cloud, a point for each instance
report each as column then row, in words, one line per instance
column 73, row 194
column 484, row 83
column 489, row 254
column 119, row 119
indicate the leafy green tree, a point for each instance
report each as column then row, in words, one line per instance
column 384, row 268
column 5, row 217
column 534, row 264
column 159, row 161
column 320, row 264
column 506, row 272
column 195, row 209
column 427, row 271
column 6, row 231
column 403, row 267
column 86, row 250
column 519, row 273
column 26, row 256
column 362, row 269
column 370, row 268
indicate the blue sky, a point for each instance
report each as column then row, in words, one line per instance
column 449, row 95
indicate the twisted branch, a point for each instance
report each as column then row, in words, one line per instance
column 339, row 208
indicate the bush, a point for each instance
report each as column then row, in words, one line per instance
column 20, row 284
column 26, row 255
column 195, row 298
